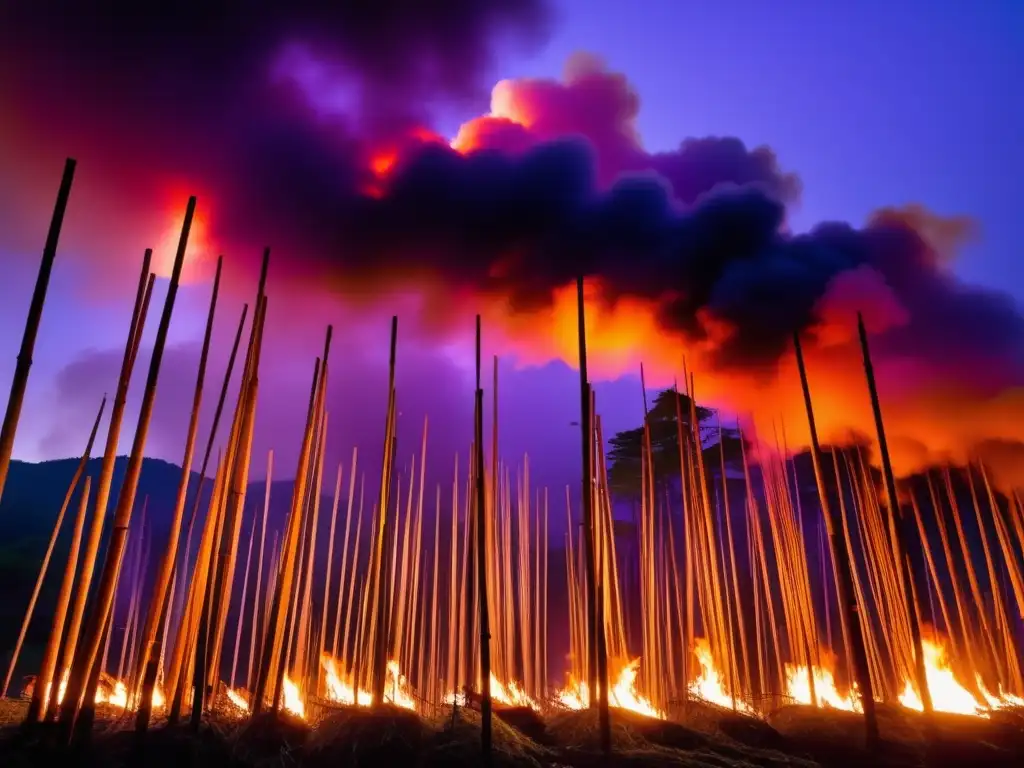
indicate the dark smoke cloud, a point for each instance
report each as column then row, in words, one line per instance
column 522, row 227
column 553, row 183
column 204, row 92
column 189, row 55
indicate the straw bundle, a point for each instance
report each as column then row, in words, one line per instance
column 374, row 737
column 268, row 740
column 458, row 743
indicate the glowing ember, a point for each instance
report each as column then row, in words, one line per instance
column 623, row 694
column 239, row 699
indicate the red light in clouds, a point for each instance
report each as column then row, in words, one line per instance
column 384, row 158
column 382, row 162
column 199, row 247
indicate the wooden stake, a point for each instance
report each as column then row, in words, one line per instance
column 597, row 671
column 79, row 470
column 102, row 495
column 842, row 559
column 894, row 510
column 94, row 629
column 481, row 563
column 380, row 558
column 19, row 382
column 45, row 680
column 149, row 650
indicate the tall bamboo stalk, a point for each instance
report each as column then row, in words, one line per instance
column 241, row 609
column 225, row 579
column 274, row 630
column 380, row 551
column 195, row 589
column 253, row 630
column 899, row 544
column 841, row 559
column 45, row 680
column 344, row 560
column 598, row 660
column 93, row 636
column 154, row 614
column 329, row 576
column 19, row 382
column 481, row 560
column 72, row 487
column 92, row 543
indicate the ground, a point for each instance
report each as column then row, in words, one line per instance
column 704, row 737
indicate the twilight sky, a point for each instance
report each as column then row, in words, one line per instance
column 866, row 106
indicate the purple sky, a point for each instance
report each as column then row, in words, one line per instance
column 871, row 104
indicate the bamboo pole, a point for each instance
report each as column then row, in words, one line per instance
column 435, row 614
column 587, row 497
column 19, row 382
column 45, row 680
column 894, row 511
column 196, row 590
column 454, row 635
column 126, row 498
column 140, row 583
column 344, row 559
column 380, row 640
column 487, row 756
column 102, row 495
column 841, row 559
column 206, row 669
column 135, row 565
column 328, row 575
column 241, row 610
column 72, row 487
column 350, row 603
column 304, row 590
column 274, row 631
column 224, row 584
column 154, row 614
column 197, row 654
column 253, row 630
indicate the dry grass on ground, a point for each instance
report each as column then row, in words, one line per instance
column 701, row 736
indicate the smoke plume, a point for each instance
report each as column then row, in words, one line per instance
column 307, row 129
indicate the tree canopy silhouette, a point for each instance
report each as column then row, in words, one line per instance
column 624, row 455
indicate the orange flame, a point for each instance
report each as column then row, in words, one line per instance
column 341, row 689
column 623, row 694
column 948, row 695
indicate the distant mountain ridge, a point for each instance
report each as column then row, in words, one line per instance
column 32, row 499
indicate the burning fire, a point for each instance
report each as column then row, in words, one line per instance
column 293, row 698
column 947, row 693
column 239, row 699
column 115, row 695
column 510, row 694
column 708, row 686
column 623, row 693
column 341, row 689
column 798, row 688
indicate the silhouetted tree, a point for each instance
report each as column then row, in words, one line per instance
column 624, row 455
